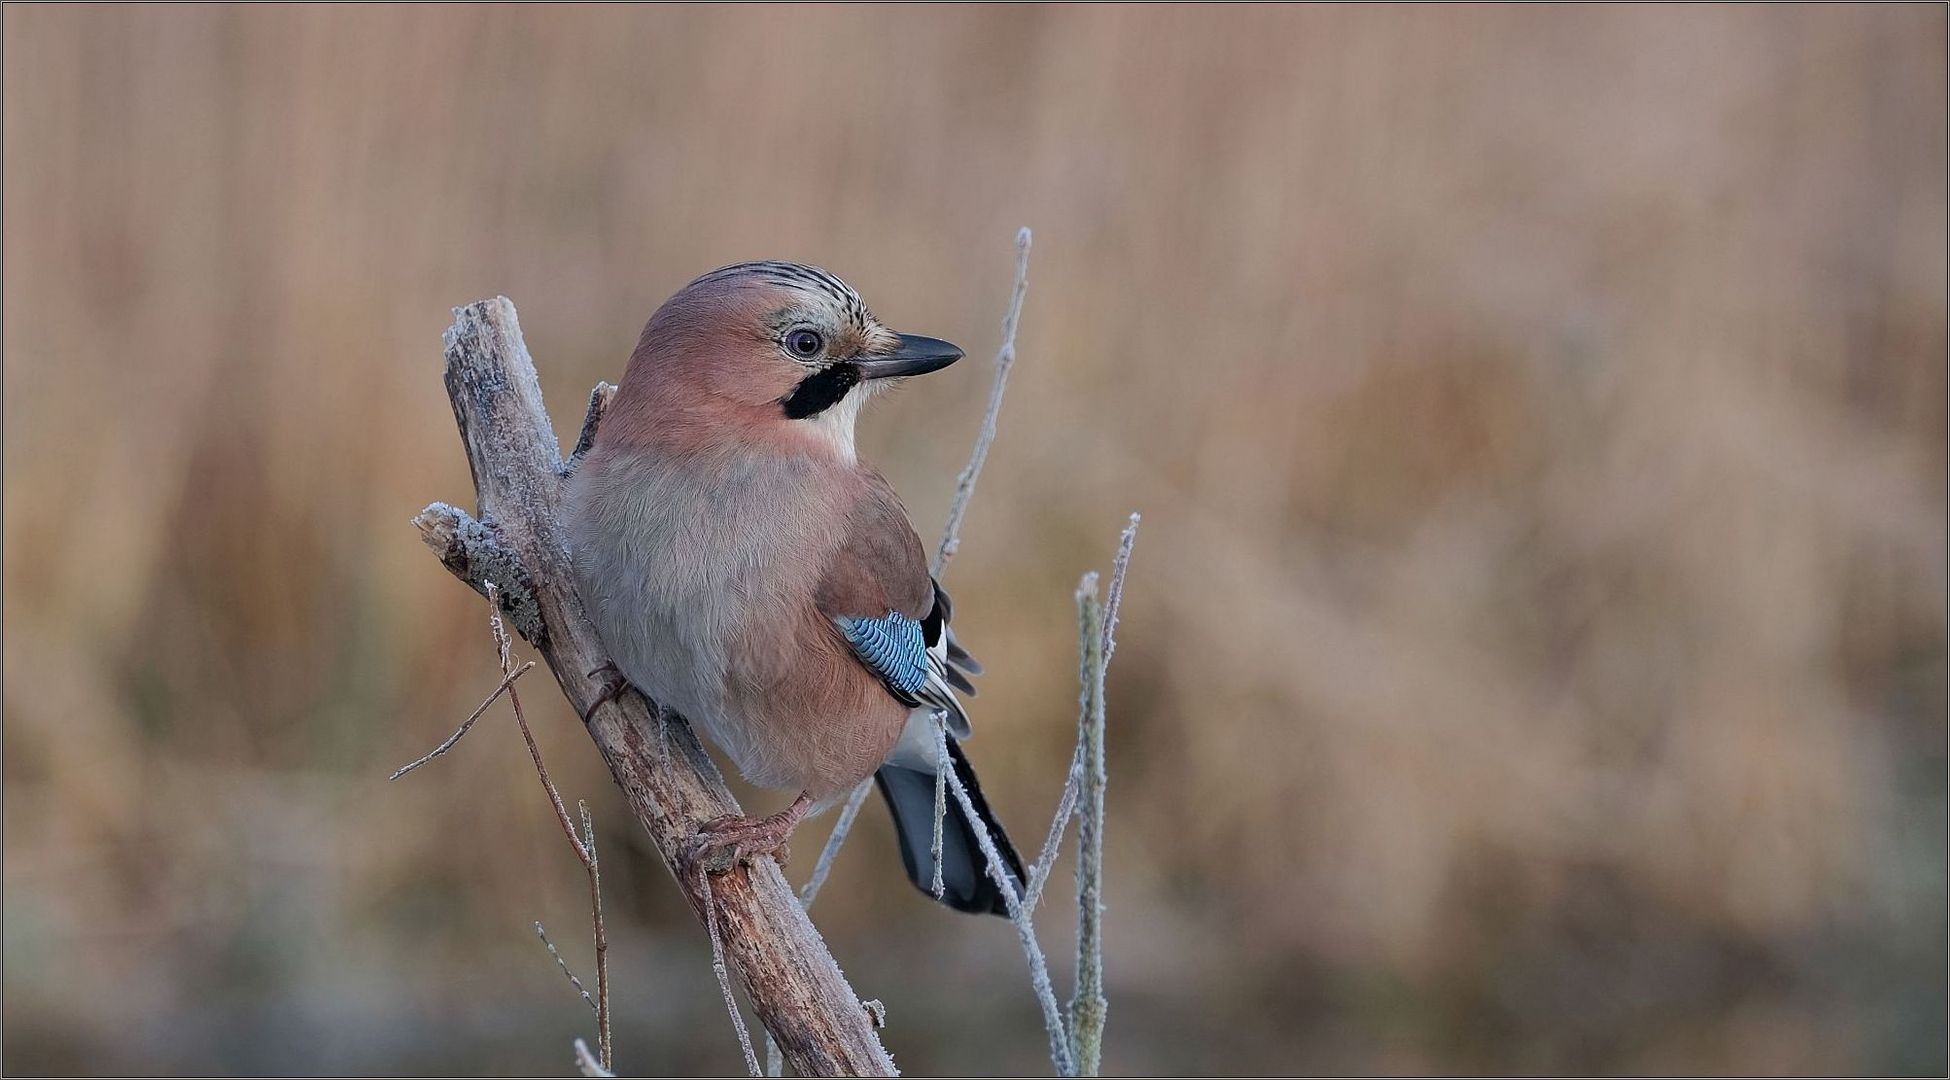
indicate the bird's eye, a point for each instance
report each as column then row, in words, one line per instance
column 804, row 343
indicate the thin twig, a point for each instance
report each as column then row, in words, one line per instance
column 1114, row 600
column 831, row 852
column 603, row 1034
column 1005, row 358
column 1087, row 1004
column 724, row 976
column 1078, row 1043
column 502, row 643
column 506, row 684
column 835, row 840
column 1059, row 1042
column 564, row 965
column 945, row 766
column 1066, row 804
column 585, row 849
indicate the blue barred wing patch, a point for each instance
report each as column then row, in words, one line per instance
column 892, row 648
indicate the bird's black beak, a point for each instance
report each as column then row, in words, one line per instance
column 914, row 355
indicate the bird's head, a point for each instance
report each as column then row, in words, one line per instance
column 777, row 347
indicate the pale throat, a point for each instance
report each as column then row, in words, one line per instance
column 833, row 426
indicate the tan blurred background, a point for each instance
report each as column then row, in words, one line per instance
column 1534, row 658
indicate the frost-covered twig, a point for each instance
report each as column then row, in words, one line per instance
column 1076, row 1046
column 534, row 751
column 1005, row 358
column 831, row 852
column 599, row 398
column 1059, row 1042
column 1114, row 600
column 940, row 798
column 564, row 965
column 1066, row 804
column 1066, row 807
column 583, row 845
column 1087, row 1004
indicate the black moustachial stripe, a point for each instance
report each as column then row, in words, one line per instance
column 820, row 391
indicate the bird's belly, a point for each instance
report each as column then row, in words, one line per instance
column 672, row 631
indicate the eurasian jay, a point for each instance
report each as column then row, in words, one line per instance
column 746, row 569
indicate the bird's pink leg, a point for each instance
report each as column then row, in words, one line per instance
column 725, row 841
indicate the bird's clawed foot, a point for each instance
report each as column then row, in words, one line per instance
column 724, row 842
column 613, row 686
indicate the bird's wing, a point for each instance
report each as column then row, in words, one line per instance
column 893, row 613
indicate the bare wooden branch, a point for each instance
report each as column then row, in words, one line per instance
column 669, row 782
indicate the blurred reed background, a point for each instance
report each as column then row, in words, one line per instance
column 1534, row 658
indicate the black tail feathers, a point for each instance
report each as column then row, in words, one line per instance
column 965, row 880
